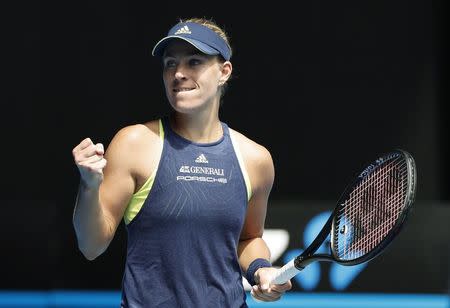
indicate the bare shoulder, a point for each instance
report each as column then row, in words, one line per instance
column 134, row 135
column 251, row 150
column 136, row 147
column 258, row 161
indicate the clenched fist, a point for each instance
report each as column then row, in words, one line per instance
column 90, row 162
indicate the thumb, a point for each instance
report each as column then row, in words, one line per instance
column 263, row 277
column 99, row 149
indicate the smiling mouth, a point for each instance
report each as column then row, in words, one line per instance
column 182, row 90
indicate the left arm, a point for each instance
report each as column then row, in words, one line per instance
column 251, row 246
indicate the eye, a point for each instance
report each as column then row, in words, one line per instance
column 168, row 63
column 195, row 61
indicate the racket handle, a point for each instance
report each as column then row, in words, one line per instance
column 285, row 273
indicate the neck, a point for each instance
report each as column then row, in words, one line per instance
column 197, row 128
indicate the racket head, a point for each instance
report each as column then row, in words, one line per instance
column 373, row 208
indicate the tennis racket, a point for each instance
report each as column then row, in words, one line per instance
column 368, row 216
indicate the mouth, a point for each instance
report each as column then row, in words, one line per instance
column 178, row 90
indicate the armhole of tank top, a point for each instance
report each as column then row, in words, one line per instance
column 139, row 197
column 242, row 165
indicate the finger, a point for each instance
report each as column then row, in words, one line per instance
column 100, row 165
column 96, row 163
column 282, row 287
column 83, row 144
column 274, row 291
column 86, row 161
column 270, row 293
column 87, row 156
column 92, row 159
column 264, row 286
column 86, row 153
column 264, row 295
column 95, row 167
column 257, row 296
column 273, row 295
column 99, row 148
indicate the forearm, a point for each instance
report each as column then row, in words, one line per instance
column 90, row 224
column 251, row 249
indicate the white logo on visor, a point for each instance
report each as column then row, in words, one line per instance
column 183, row 30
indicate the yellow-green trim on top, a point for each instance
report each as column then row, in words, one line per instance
column 138, row 198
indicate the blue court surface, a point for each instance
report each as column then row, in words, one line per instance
column 78, row 299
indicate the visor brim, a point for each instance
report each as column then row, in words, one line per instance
column 159, row 48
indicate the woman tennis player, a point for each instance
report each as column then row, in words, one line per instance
column 192, row 192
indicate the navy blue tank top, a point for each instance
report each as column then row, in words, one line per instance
column 182, row 245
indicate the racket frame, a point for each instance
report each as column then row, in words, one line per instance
column 307, row 256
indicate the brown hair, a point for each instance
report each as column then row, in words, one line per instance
column 209, row 23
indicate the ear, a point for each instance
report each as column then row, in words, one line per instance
column 226, row 70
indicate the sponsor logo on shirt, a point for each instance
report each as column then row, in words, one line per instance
column 201, row 173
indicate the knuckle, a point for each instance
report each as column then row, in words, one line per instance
column 82, row 165
column 78, row 160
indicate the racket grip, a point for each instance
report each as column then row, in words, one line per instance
column 285, row 273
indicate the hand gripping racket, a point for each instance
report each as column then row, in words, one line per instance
column 367, row 217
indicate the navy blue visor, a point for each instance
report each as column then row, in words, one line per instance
column 201, row 37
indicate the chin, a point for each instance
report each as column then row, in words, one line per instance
column 185, row 108
column 185, row 105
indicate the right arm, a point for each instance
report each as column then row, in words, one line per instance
column 106, row 189
column 97, row 213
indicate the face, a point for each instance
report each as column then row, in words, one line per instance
column 191, row 78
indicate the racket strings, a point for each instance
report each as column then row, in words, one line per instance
column 371, row 210
column 371, row 220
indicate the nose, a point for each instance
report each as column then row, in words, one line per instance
column 179, row 72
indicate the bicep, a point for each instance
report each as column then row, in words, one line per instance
column 255, row 218
column 261, row 175
column 118, row 183
column 251, row 245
